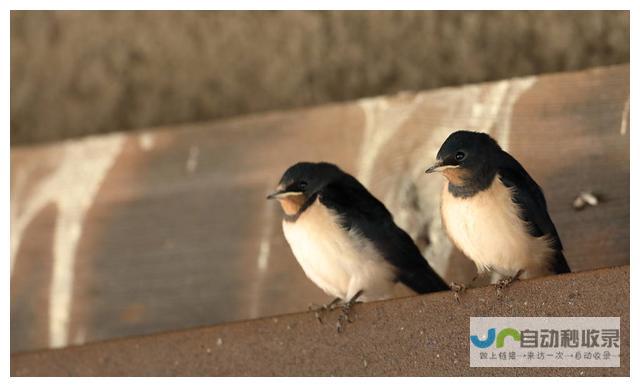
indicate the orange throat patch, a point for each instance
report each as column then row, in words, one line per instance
column 292, row 204
column 456, row 176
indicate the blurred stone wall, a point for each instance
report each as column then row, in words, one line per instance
column 80, row 73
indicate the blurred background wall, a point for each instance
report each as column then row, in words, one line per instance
column 81, row 73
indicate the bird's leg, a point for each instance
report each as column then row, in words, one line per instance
column 345, row 316
column 319, row 310
column 459, row 288
column 503, row 283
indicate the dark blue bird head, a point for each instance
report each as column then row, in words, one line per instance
column 305, row 179
column 468, row 159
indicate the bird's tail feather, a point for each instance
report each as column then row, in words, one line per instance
column 560, row 264
column 423, row 280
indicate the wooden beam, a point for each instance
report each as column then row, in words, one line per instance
column 130, row 234
column 415, row 336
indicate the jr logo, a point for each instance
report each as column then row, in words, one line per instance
column 491, row 337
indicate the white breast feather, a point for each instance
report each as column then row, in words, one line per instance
column 339, row 262
column 488, row 230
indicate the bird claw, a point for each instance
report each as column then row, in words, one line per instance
column 345, row 316
column 339, row 326
column 457, row 289
column 317, row 311
column 502, row 284
column 505, row 282
column 320, row 310
column 319, row 316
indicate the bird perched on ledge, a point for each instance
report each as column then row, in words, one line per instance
column 494, row 212
column 345, row 239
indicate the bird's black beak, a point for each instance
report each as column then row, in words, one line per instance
column 275, row 195
column 282, row 192
column 437, row 167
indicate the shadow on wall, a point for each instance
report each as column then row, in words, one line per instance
column 80, row 73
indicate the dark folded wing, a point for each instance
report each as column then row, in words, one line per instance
column 530, row 198
column 361, row 211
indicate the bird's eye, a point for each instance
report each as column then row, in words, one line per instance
column 302, row 184
column 460, row 156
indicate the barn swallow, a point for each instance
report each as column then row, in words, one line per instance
column 345, row 239
column 494, row 212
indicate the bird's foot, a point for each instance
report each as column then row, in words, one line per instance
column 505, row 282
column 320, row 310
column 344, row 317
column 346, row 310
column 457, row 289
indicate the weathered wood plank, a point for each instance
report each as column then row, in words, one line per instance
column 130, row 234
column 412, row 336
